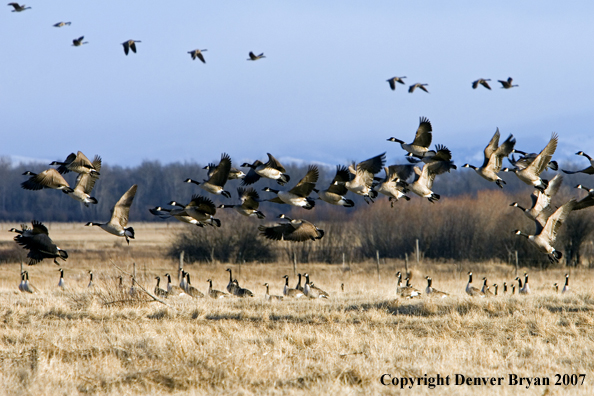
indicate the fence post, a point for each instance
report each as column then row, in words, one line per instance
column 406, row 263
column 516, row 263
column 294, row 264
column 417, row 242
column 343, row 263
column 377, row 265
column 180, row 267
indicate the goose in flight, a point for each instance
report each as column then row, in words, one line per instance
column 270, row 170
column 541, row 200
column 197, row 54
column 589, row 170
column 62, row 24
column 298, row 195
column 18, row 8
column 483, row 82
column 420, row 145
column 250, row 202
column 392, row 81
column 494, row 154
column 219, row 176
column 362, row 176
column 296, row 230
column 49, row 178
column 119, row 217
column 507, row 84
column 79, row 41
column 78, row 163
column 39, row 244
column 130, row 45
column 254, row 57
column 335, row 193
column 412, row 88
column 531, row 174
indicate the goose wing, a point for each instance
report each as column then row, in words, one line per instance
column 485, row 84
column 556, row 220
column 49, row 178
column 303, row 231
column 251, row 177
column 423, row 136
column 39, row 228
column 220, row 174
column 392, row 84
column 121, row 209
column 202, row 204
column 338, row 183
column 85, row 182
column 273, row 163
column 491, row 147
column 308, row 183
column 584, row 203
column 442, row 153
column 496, row 160
column 250, row 199
column 542, row 160
column 403, row 172
column 372, row 165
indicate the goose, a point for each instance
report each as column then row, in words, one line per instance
column 288, row 292
column 269, row 297
column 218, row 178
column 556, row 287
column 296, row 230
column 398, row 282
column 494, row 154
column 182, row 282
column 62, row 24
column 22, row 284
column 130, row 45
column 254, row 57
column 134, row 291
column 393, row 185
column 90, row 285
column 566, row 286
column 471, row 290
column 423, row 184
column 212, row 293
column 408, row 291
column 29, row 288
column 119, row 217
column 496, row 287
column 240, row 291
column 311, row 291
column 526, row 288
column 18, row 8
column 335, row 193
column 178, row 214
column 121, row 283
column 589, row 170
column 392, row 81
column 84, row 185
column 158, row 291
column 507, row 84
column 61, row 283
column 430, row 291
column 541, row 200
column 519, row 285
column 504, row 288
column 250, row 202
column 342, row 287
column 230, row 285
column 485, row 289
column 39, row 244
column 441, row 153
column 49, row 178
column 191, row 290
column 527, row 158
column 299, row 287
column 79, row 163
column 513, row 289
column 412, row 88
column 587, row 201
column 234, row 173
column 483, row 82
column 420, row 145
column 531, row 174
column 200, row 208
column 197, row 53
column 545, row 237
column 173, row 290
column 362, row 179
column 298, row 195
column 79, row 41
column 270, row 170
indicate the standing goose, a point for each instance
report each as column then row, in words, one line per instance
column 485, row 289
column 254, row 57
column 91, row 284
column 483, row 82
column 49, row 178
column 394, row 185
column 79, row 163
column 298, row 195
column 531, row 174
column 430, row 291
column 212, row 293
column 412, row 88
column 520, row 287
column 62, row 24
column 84, row 185
column 566, row 286
column 218, row 178
column 130, row 45
column 494, row 154
column 61, row 283
column 191, row 290
column 182, row 280
column 420, row 145
column 197, row 54
column 270, row 170
column 200, row 208
column 335, row 194
column 299, row 287
column 541, row 200
column 504, row 288
column 29, row 288
column 556, row 287
column 79, row 41
column 526, row 288
column 513, row 289
column 173, row 290
column 311, row 291
column 589, row 170
column 269, row 297
column 119, row 217
column 362, row 176
column 159, row 292
column 545, row 237
column 392, row 81
column 296, row 230
column 471, row 290
column 234, row 173
column 250, row 202
column 292, row 293
column 22, row 284
column 18, row 8
column 423, row 184
column 230, row 285
column 39, row 244
column 507, row 84
column 587, row 201
column 495, row 286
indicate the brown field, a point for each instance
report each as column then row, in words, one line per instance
column 104, row 342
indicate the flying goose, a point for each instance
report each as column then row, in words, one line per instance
column 49, row 178
column 394, row 185
column 420, row 145
column 158, row 291
column 335, row 194
column 311, row 291
column 79, row 163
column 362, row 177
column 412, row 88
column 423, row 184
column 288, row 292
column 218, row 178
column 61, row 283
column 589, row 170
column 250, row 201
column 173, row 290
column 29, row 288
column 234, row 173
column 494, row 154
column 130, row 45
column 61, row 24
column 298, row 195
column 90, row 285
column 296, row 230
column 587, row 201
column 254, row 57
column 526, row 288
column 39, row 244
column 430, row 291
column 200, row 208
column 485, row 289
column 566, row 286
column 178, row 214
column 392, row 81
column 269, row 297
column 79, row 41
column 531, row 174
column 471, row 290
column 507, row 84
column 212, row 293
column 441, row 153
column 18, row 8
column 84, row 185
column 483, row 82
column 527, row 158
column 271, row 170
column 545, row 237
column 541, row 200
column 197, row 54
column 408, row 291
column 299, row 287
column 119, row 217
column 191, row 290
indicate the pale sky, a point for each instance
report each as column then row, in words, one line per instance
column 319, row 95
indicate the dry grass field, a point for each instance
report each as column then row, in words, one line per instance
column 78, row 341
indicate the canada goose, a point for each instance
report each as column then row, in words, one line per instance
column 79, row 163
column 22, row 284
column 527, row 158
column 335, row 194
column 420, row 145
column 392, row 81
column 471, row 290
column 270, row 170
column 119, row 217
column 121, row 283
column 342, row 287
column 134, row 291
column 234, row 173
column 61, row 283
column 545, row 237
column 507, row 84
column 230, row 285
column 90, row 285
column 296, row 230
column 269, row 297
column 587, row 201
column 299, row 287
column 398, row 282
column 293, row 293
column 178, row 214
column 412, row 88
column 541, row 209
column 200, row 208
column 423, row 184
column 29, row 288
column 483, row 82
column 173, row 290
column 311, row 291
column 441, row 153
column 430, row 291
column 39, row 244
column 49, row 178
column 17, row 7
column 84, row 185
column 556, row 287
column 526, row 288
column 218, row 178
column 494, row 154
column 298, row 195
column 250, row 201
column 254, row 57
column 158, row 291
column 182, row 281
column 197, row 54
column 566, row 286
column 531, row 174
column 519, row 285
column 485, row 289
column 240, row 291
column 495, row 285
column 504, row 288
column 61, row 24
column 130, row 45
column 362, row 179
column 191, row 290
column 394, row 185
column 79, row 41
column 513, row 289
column 589, row 170
column 408, row 291
column 212, row 293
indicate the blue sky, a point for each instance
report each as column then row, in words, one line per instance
column 321, row 93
